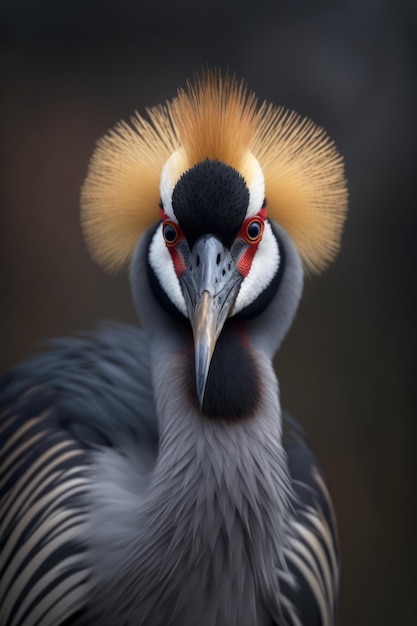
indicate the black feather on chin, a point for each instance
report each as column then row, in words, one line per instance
column 233, row 389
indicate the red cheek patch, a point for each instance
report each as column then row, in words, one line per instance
column 178, row 262
column 245, row 262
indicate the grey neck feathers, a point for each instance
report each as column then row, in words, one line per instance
column 214, row 516
column 213, row 523
column 219, row 502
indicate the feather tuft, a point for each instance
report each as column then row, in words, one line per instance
column 215, row 117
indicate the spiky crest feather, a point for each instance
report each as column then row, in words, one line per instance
column 215, row 118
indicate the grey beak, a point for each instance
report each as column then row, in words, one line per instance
column 210, row 286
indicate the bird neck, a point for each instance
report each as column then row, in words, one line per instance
column 217, row 508
column 219, row 497
column 212, row 520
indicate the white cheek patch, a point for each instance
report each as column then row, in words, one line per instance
column 264, row 266
column 161, row 263
column 169, row 177
column 256, row 187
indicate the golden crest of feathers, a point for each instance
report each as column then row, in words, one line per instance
column 215, row 118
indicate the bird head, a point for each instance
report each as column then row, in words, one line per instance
column 212, row 172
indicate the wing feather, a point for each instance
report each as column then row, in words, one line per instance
column 87, row 394
column 313, row 552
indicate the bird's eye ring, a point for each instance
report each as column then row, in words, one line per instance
column 254, row 230
column 170, row 233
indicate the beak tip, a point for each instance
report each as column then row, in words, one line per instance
column 201, row 387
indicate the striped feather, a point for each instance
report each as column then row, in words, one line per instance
column 83, row 397
column 313, row 553
column 43, row 577
column 54, row 412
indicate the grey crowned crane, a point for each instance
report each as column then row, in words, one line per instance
column 149, row 476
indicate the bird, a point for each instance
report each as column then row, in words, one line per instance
column 148, row 474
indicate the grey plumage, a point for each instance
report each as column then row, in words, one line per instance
column 149, row 477
column 176, row 517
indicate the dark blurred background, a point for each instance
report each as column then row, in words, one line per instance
column 71, row 70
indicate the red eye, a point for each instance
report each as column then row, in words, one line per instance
column 170, row 233
column 254, row 230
